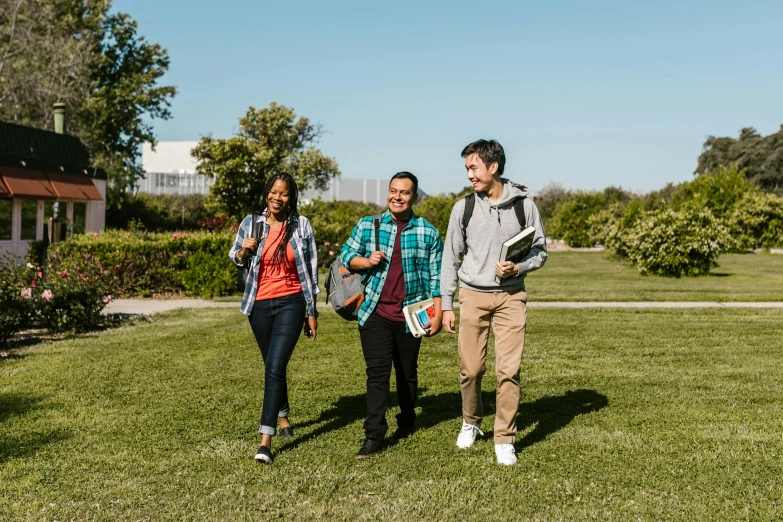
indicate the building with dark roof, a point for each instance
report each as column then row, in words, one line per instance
column 46, row 178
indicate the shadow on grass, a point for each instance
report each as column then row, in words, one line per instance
column 547, row 414
column 17, row 405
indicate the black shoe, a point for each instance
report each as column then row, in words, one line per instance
column 264, row 455
column 369, row 448
column 287, row 433
column 403, row 432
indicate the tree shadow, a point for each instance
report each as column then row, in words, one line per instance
column 14, row 405
column 547, row 414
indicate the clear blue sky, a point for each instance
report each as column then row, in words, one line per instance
column 583, row 93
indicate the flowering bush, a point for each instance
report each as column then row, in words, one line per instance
column 327, row 253
column 71, row 296
column 14, row 298
column 677, row 243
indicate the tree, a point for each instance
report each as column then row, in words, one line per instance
column 760, row 156
column 271, row 140
column 76, row 52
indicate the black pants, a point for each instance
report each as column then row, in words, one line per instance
column 276, row 324
column 385, row 343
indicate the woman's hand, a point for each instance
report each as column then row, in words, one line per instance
column 312, row 322
column 249, row 244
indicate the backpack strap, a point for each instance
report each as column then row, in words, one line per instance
column 519, row 209
column 376, row 223
column 470, row 202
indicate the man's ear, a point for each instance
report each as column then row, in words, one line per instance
column 493, row 168
column 414, row 198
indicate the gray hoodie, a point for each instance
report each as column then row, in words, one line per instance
column 489, row 226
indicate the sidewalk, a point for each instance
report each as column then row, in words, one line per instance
column 153, row 306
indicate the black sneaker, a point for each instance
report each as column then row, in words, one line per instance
column 264, row 455
column 287, row 432
column 369, row 448
column 403, row 432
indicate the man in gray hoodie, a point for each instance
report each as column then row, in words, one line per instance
column 483, row 301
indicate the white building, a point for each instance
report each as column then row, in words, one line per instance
column 170, row 169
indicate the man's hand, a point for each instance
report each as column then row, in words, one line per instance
column 449, row 320
column 436, row 323
column 506, row 269
column 375, row 258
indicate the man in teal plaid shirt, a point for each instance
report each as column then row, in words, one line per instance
column 402, row 270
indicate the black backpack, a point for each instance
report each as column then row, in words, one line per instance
column 345, row 289
column 470, row 202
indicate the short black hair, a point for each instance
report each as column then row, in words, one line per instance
column 407, row 175
column 490, row 151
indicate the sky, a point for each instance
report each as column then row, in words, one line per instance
column 583, row 93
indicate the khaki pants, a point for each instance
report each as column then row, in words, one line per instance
column 508, row 314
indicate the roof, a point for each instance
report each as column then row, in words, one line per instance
column 44, row 150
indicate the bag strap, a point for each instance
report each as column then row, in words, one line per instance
column 376, row 223
column 470, row 203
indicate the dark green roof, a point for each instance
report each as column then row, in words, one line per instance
column 45, row 150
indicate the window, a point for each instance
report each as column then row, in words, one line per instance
column 6, row 208
column 52, row 208
column 29, row 219
column 79, row 217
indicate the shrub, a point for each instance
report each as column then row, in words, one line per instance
column 333, row 222
column 15, row 295
column 571, row 220
column 437, row 210
column 719, row 191
column 158, row 213
column 677, row 243
column 72, row 295
column 145, row 263
column 616, row 233
column 757, row 221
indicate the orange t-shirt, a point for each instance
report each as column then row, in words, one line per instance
column 276, row 279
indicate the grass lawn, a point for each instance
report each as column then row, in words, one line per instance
column 595, row 276
column 625, row 415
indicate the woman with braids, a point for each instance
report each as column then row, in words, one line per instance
column 281, row 288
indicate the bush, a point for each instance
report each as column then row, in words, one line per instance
column 158, row 213
column 437, row 210
column 14, row 300
column 72, row 295
column 718, row 191
column 333, row 222
column 757, row 222
column 677, row 243
column 145, row 263
column 571, row 220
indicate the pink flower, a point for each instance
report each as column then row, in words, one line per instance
column 128, row 232
column 63, row 273
column 47, row 295
column 27, row 293
column 40, row 274
column 177, row 235
column 331, row 252
column 95, row 235
column 106, row 299
column 326, row 243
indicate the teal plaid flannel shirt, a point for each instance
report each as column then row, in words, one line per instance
column 422, row 250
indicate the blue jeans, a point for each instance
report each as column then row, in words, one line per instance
column 276, row 324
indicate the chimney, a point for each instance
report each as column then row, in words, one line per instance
column 59, row 118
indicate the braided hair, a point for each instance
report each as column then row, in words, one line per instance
column 290, row 214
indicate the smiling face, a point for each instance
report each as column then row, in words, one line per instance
column 401, row 198
column 277, row 199
column 480, row 176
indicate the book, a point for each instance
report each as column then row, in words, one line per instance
column 419, row 317
column 517, row 247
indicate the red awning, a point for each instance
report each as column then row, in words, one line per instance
column 27, row 184
column 68, row 186
column 4, row 190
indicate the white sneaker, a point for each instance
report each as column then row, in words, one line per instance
column 467, row 436
column 505, row 454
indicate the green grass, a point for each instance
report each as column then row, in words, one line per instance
column 595, row 276
column 625, row 415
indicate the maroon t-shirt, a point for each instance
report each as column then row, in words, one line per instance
column 393, row 293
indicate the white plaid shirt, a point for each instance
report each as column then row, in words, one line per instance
column 303, row 244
